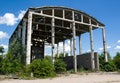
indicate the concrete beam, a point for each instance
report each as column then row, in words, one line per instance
column 65, row 19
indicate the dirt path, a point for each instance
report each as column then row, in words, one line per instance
column 73, row 78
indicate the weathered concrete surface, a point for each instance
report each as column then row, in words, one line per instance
column 83, row 61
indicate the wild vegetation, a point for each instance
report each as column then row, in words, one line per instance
column 14, row 63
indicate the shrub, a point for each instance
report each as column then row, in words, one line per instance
column 81, row 69
column 1, row 59
column 117, row 60
column 11, row 66
column 25, row 72
column 42, row 68
column 60, row 66
column 108, row 66
column 48, row 57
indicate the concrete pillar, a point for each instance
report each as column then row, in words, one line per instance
column 74, row 48
column 74, row 43
column 63, row 13
column 24, row 31
column 97, row 61
column 92, row 49
column 71, row 46
column 19, row 31
column 53, row 37
column 64, row 48
column 29, row 32
column 58, row 50
column 104, row 45
column 80, row 45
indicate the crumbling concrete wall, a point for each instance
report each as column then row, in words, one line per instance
column 83, row 61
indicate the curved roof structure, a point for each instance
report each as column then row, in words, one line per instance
column 64, row 17
column 65, row 8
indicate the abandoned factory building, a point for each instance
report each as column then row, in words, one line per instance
column 51, row 25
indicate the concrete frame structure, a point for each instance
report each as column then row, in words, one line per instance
column 51, row 25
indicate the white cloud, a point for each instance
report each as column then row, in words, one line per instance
column 118, row 41
column 10, row 19
column 108, row 47
column 3, row 35
column 67, row 46
column 21, row 14
column 88, row 50
column 117, row 47
column 100, row 49
column 4, row 46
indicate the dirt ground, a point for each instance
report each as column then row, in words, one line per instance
column 74, row 78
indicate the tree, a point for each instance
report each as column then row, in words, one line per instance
column 101, row 57
column 13, row 60
column 116, row 60
column 61, row 55
column 106, row 66
column 17, row 50
column 1, row 58
column 10, row 65
column 1, row 50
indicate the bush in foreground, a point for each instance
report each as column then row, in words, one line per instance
column 42, row 68
column 108, row 66
column 60, row 66
column 117, row 60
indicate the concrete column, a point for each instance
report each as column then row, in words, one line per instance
column 71, row 47
column 24, row 31
column 63, row 13
column 82, row 18
column 19, row 32
column 104, row 45
column 53, row 37
column 97, row 61
column 58, row 50
column 64, row 48
column 80, row 45
column 29, row 32
column 74, row 48
column 92, row 49
column 74, row 43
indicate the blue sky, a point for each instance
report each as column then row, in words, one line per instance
column 108, row 12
